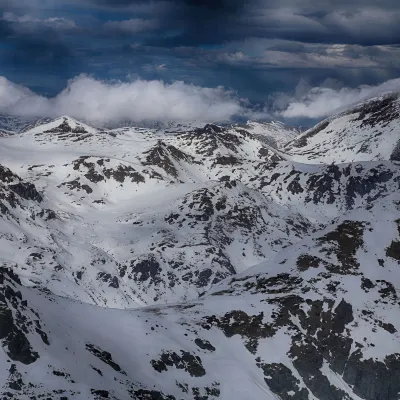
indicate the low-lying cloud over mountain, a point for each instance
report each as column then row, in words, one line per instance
column 321, row 101
column 100, row 102
column 139, row 100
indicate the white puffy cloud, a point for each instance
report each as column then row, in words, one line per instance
column 319, row 102
column 99, row 102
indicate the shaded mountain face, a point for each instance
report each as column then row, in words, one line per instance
column 274, row 133
column 10, row 124
column 202, row 263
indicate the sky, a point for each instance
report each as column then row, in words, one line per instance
column 293, row 60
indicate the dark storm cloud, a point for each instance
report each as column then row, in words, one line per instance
column 36, row 41
column 5, row 29
column 36, row 48
column 198, row 22
column 255, row 47
column 324, row 22
column 40, row 51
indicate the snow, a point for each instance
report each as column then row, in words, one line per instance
column 351, row 136
column 275, row 131
column 187, row 241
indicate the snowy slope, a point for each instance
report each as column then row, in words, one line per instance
column 138, row 220
column 324, row 192
column 274, row 133
column 201, row 262
column 369, row 131
column 319, row 321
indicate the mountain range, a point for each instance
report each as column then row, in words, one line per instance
column 250, row 261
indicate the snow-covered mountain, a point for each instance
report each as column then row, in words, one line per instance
column 212, row 262
column 369, row 131
column 274, row 133
column 165, row 215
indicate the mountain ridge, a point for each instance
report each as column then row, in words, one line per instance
column 204, row 264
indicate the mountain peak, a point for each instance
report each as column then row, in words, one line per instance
column 62, row 125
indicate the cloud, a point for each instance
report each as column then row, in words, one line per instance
column 332, row 56
column 329, row 21
column 319, row 102
column 269, row 54
column 46, row 51
column 33, row 41
column 99, row 102
column 255, row 46
column 131, row 26
column 52, row 22
column 28, row 4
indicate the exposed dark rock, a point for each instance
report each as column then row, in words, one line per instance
column 200, row 202
column 100, row 394
column 14, row 380
column 13, row 329
column 395, row 156
column 47, row 215
column 378, row 111
column 387, row 290
column 7, row 176
column 143, row 394
column 124, row 172
column 264, row 152
column 27, row 191
column 108, row 278
column 119, row 174
column 65, row 127
column 373, row 380
column 363, row 185
column 306, row 261
column 76, row 185
column 344, row 242
column 163, row 156
column 294, row 186
column 308, row 362
column 321, row 187
column 204, row 277
column 190, row 363
column 214, row 390
column 97, row 370
column 105, row 357
column 282, row 382
column 393, row 250
column 252, row 328
column 302, row 141
column 367, row 284
column 323, row 324
column 278, row 284
column 226, row 160
column 204, row 344
column 147, row 269
column 211, row 138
